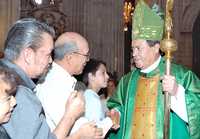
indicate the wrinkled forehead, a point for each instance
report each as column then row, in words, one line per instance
column 83, row 45
column 138, row 43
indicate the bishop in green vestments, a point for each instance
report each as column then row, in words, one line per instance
column 140, row 94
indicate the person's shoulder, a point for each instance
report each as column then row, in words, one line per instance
column 3, row 133
column 25, row 95
column 129, row 74
column 177, row 68
column 23, row 89
column 180, row 68
column 89, row 92
column 49, row 82
column 27, row 101
column 182, row 72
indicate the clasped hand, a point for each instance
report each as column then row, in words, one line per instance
column 115, row 117
column 169, row 84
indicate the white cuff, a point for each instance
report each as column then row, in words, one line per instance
column 178, row 104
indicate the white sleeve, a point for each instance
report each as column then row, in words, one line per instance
column 53, row 100
column 105, row 124
column 92, row 110
column 178, row 104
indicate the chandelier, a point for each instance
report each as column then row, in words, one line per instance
column 42, row 2
column 127, row 13
column 47, row 11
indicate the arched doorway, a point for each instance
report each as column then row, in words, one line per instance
column 196, row 46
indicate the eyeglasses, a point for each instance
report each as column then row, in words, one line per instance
column 85, row 55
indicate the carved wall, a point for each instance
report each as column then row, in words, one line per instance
column 49, row 11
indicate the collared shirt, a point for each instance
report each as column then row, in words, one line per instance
column 93, row 106
column 27, row 120
column 93, row 112
column 152, row 67
column 178, row 104
column 54, row 92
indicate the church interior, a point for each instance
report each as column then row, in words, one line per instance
column 107, row 26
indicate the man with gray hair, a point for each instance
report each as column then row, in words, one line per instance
column 28, row 53
column 71, row 54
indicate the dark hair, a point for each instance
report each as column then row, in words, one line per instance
column 112, row 78
column 91, row 67
column 9, row 77
column 25, row 33
column 152, row 43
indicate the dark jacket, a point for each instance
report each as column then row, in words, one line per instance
column 3, row 133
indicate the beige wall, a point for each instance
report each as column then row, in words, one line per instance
column 9, row 13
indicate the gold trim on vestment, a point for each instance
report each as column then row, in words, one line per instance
column 144, row 122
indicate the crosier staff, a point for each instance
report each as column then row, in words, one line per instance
column 168, row 45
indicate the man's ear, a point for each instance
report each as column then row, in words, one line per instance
column 157, row 47
column 28, row 55
column 67, row 58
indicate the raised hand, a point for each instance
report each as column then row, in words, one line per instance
column 75, row 105
column 90, row 131
column 115, row 117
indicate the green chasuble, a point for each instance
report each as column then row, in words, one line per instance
column 124, row 100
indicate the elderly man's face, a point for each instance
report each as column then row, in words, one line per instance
column 81, row 58
column 42, row 56
column 143, row 54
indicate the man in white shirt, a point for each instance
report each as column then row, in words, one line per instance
column 71, row 54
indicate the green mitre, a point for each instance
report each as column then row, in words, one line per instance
column 147, row 22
